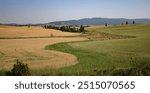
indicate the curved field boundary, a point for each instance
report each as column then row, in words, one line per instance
column 32, row 52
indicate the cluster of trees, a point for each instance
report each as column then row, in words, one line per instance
column 67, row 28
column 122, row 23
column 128, row 22
column 18, row 25
column 50, row 27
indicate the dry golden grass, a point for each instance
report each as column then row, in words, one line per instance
column 14, row 32
column 31, row 51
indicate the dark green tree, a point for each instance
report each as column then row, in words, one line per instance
column 106, row 24
column 81, row 28
column 133, row 22
column 127, row 23
column 45, row 26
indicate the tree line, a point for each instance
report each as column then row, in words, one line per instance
column 67, row 28
column 133, row 22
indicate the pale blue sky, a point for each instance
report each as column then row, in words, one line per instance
column 41, row 11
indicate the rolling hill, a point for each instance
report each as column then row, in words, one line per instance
column 99, row 21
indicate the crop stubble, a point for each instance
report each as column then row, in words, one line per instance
column 31, row 50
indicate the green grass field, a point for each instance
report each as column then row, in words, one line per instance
column 126, row 56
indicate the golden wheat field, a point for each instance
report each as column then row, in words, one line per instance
column 15, row 32
column 31, row 50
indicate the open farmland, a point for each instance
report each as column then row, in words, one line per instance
column 113, row 50
column 31, row 50
column 12, row 32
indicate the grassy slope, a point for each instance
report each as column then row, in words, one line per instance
column 95, row 56
column 139, row 45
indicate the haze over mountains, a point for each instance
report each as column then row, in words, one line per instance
column 100, row 21
column 91, row 21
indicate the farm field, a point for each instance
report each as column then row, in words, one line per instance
column 31, row 50
column 13, row 32
column 113, row 50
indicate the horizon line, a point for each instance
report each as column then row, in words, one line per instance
column 71, row 20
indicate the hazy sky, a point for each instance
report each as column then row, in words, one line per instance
column 41, row 11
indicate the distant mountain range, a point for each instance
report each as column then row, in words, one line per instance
column 99, row 21
column 91, row 21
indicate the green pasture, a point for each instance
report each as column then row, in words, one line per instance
column 126, row 56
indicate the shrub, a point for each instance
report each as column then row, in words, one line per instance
column 137, row 71
column 51, row 35
column 20, row 69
